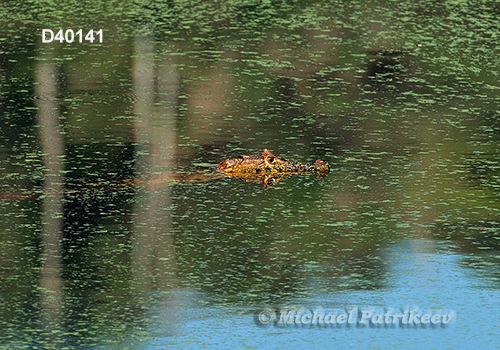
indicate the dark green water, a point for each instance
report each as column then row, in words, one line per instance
column 401, row 98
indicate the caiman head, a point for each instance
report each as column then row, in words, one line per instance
column 268, row 168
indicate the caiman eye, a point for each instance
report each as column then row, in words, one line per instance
column 271, row 159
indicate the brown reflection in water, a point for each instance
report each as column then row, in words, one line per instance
column 52, row 144
column 209, row 100
column 154, row 263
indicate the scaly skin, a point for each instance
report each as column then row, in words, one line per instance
column 266, row 167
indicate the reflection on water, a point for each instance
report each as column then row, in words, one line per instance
column 423, row 274
column 52, row 146
column 116, row 233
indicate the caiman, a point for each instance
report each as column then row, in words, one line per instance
column 265, row 167
column 268, row 168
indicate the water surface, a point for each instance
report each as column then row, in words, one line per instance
column 116, row 231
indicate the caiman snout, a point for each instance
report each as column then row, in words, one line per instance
column 267, row 162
